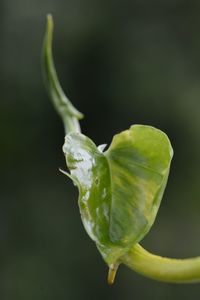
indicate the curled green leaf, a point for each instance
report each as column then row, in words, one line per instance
column 119, row 190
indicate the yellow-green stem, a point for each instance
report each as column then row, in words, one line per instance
column 162, row 268
column 69, row 114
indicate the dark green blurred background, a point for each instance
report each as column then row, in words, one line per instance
column 120, row 62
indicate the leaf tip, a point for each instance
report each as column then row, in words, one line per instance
column 112, row 273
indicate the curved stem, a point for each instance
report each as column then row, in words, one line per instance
column 69, row 114
column 161, row 268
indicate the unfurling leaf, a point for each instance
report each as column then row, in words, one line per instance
column 119, row 190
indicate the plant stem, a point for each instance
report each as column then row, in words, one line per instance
column 69, row 114
column 161, row 268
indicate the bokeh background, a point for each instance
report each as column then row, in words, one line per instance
column 120, row 62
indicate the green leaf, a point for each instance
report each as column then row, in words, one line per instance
column 139, row 160
column 119, row 190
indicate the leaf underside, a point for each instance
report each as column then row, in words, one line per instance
column 119, row 190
